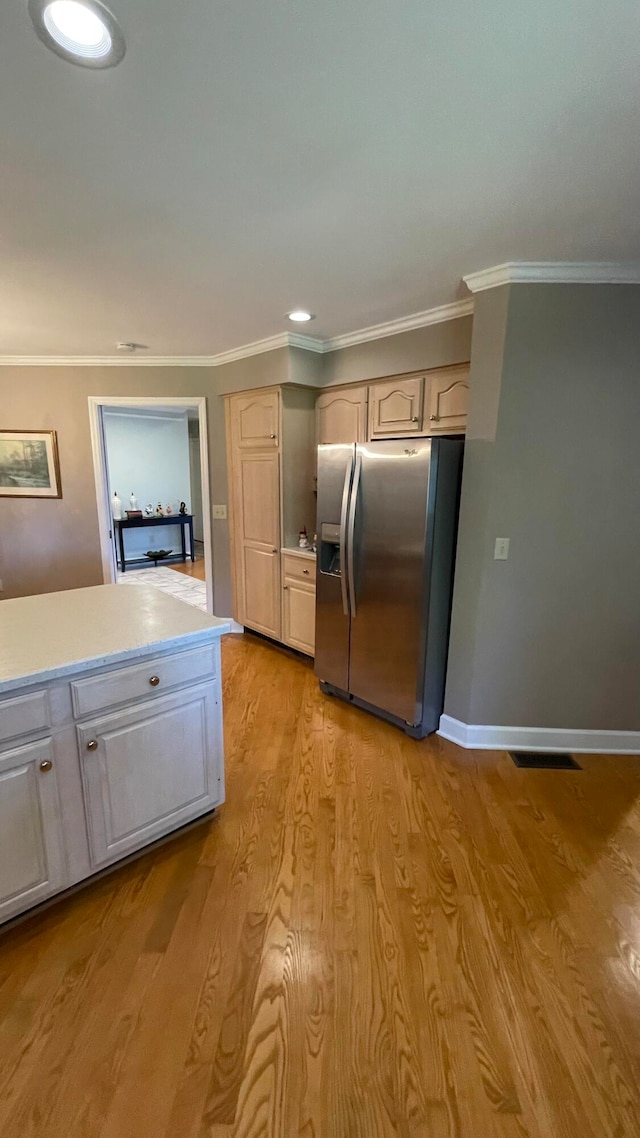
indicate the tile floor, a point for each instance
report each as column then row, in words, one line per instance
column 185, row 588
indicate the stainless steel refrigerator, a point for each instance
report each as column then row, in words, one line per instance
column 387, row 521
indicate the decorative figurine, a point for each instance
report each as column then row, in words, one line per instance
column 303, row 540
column 183, row 507
column 168, row 511
column 159, row 510
column 133, row 502
column 116, row 507
column 148, row 510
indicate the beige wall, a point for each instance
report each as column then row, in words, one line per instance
column 49, row 545
column 550, row 638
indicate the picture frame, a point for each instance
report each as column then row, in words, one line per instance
column 29, row 464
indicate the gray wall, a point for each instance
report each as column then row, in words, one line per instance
column 551, row 637
column 434, row 346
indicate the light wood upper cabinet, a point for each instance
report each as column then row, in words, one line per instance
column 32, row 862
column 396, row 408
column 448, row 401
column 255, row 419
column 341, row 416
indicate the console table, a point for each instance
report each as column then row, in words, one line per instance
column 181, row 520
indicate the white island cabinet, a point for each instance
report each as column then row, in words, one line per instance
column 110, row 731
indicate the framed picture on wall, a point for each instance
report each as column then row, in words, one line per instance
column 29, row 465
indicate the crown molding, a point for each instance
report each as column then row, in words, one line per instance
column 554, row 272
column 403, row 324
column 282, row 340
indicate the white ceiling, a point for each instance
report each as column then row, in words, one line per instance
column 354, row 156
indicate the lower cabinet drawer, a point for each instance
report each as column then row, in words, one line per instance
column 300, row 568
column 24, row 714
column 155, row 675
column 139, row 778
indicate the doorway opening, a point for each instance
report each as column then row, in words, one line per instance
column 151, row 470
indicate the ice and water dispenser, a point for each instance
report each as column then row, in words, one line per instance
column 330, row 549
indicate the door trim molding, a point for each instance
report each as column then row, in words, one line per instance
column 97, row 403
column 477, row 736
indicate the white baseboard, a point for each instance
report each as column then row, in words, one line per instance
column 235, row 627
column 476, row 736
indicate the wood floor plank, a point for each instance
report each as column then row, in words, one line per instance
column 376, row 937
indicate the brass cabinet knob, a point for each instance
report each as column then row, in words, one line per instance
column 272, row 436
column 285, row 586
column 414, row 419
column 154, row 681
column 274, row 550
column 433, row 418
column 92, row 745
column 306, row 571
column 46, row 765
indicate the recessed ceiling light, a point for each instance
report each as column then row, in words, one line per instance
column 82, row 31
column 300, row 316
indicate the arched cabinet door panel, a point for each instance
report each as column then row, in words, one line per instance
column 448, row 401
column 341, row 416
column 396, row 408
column 255, row 419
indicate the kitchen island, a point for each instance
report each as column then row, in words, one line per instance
column 110, row 732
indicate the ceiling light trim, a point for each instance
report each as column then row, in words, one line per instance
column 117, row 46
column 553, row 272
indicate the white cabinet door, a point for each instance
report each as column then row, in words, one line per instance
column 32, row 861
column 151, row 769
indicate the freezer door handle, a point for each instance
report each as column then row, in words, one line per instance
column 351, row 526
column 343, row 537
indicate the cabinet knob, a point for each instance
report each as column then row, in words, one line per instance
column 92, row 745
column 46, row 765
column 274, row 550
column 272, row 436
column 306, row 571
column 414, row 419
column 154, row 681
column 433, row 418
column 285, row 586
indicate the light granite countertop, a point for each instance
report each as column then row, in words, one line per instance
column 295, row 551
column 55, row 634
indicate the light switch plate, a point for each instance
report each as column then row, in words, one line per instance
column 219, row 513
column 501, row 551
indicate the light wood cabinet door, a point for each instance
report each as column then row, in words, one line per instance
column 32, row 861
column 299, row 615
column 341, row 416
column 448, row 401
column 258, row 496
column 139, row 779
column 255, row 420
column 396, row 408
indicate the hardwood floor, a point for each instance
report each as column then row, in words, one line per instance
column 375, row 937
column 191, row 568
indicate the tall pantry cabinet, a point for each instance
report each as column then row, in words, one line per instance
column 270, row 456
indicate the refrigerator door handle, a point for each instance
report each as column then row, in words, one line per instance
column 343, row 537
column 351, row 526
